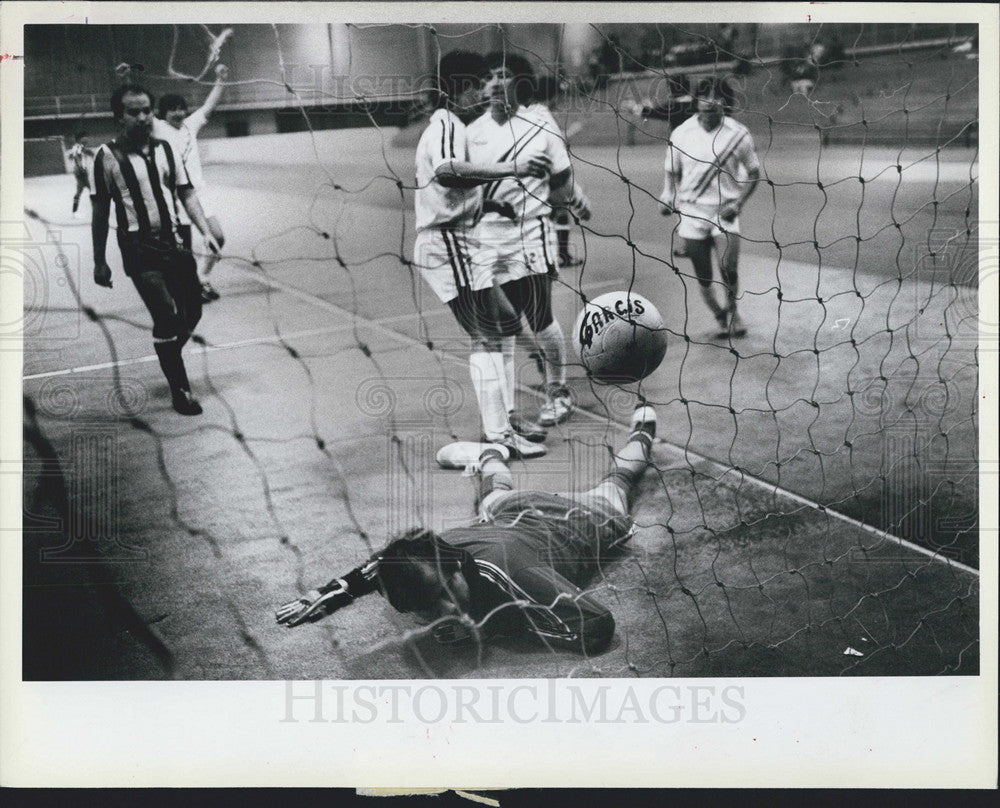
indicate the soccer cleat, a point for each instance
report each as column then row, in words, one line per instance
column 722, row 318
column 185, row 403
column 736, row 327
column 464, row 453
column 518, row 447
column 526, row 428
column 558, row 408
column 208, row 293
column 644, row 418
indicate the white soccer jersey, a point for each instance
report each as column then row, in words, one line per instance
column 710, row 163
column 544, row 114
column 444, row 139
column 185, row 143
column 523, row 136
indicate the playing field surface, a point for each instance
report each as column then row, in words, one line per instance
column 812, row 504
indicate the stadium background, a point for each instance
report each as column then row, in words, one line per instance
column 327, row 401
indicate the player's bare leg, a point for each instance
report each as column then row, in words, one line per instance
column 700, row 253
column 728, row 246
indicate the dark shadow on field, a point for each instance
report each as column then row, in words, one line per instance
column 75, row 624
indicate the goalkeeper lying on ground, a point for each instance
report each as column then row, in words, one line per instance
column 520, row 568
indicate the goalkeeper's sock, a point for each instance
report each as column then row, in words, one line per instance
column 553, row 345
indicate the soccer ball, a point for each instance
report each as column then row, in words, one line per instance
column 619, row 337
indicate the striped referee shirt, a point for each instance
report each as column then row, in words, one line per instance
column 143, row 186
column 437, row 206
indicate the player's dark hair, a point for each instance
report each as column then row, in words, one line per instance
column 401, row 565
column 522, row 73
column 79, row 136
column 457, row 72
column 715, row 87
column 118, row 98
column 169, row 103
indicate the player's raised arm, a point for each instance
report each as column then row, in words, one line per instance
column 213, row 98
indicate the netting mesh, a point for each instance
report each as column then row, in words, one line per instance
column 812, row 506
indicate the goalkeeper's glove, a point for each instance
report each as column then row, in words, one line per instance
column 314, row 605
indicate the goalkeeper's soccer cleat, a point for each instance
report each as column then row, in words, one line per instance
column 312, row 606
column 644, row 418
column 465, row 453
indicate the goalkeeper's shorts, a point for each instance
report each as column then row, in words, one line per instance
column 699, row 222
column 444, row 257
column 513, row 250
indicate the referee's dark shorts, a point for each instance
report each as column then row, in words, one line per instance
column 166, row 278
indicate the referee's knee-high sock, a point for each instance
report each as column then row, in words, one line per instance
column 553, row 345
column 171, row 363
column 487, row 373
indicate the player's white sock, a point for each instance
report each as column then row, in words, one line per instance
column 509, row 344
column 553, row 345
column 487, row 373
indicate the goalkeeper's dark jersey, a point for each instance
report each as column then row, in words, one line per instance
column 539, row 550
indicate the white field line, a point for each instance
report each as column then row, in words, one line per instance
column 681, row 451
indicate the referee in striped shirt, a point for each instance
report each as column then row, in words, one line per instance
column 146, row 181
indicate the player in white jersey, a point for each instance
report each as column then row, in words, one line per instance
column 711, row 170
column 579, row 205
column 180, row 129
column 448, row 201
column 81, row 157
column 522, row 250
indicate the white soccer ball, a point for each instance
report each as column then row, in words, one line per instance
column 619, row 337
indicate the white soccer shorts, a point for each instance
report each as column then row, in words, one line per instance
column 444, row 258
column 699, row 222
column 513, row 250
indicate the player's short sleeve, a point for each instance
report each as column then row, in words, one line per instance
column 556, row 151
column 181, row 177
column 446, row 138
column 747, row 154
column 163, row 130
column 195, row 121
column 672, row 161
